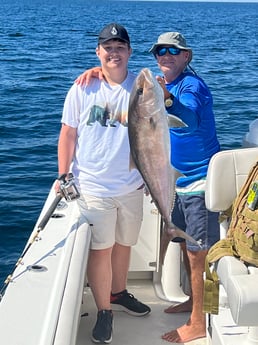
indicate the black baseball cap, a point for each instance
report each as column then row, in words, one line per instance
column 113, row 31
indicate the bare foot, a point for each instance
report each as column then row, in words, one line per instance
column 185, row 333
column 180, row 308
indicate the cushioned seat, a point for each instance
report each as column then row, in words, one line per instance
column 241, row 286
column 226, row 175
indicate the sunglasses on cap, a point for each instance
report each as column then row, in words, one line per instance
column 161, row 51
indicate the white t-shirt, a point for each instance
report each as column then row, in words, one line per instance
column 101, row 162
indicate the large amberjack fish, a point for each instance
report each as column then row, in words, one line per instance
column 150, row 149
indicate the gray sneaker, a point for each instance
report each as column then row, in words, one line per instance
column 102, row 331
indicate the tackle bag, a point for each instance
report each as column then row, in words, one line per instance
column 241, row 241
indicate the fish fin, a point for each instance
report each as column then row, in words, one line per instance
column 164, row 242
column 174, row 121
column 176, row 174
column 147, row 192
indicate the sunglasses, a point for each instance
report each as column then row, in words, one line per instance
column 171, row 50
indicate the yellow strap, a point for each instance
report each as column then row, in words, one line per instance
column 211, row 291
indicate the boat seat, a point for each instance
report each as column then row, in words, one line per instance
column 226, row 174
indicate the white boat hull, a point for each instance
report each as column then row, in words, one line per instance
column 43, row 299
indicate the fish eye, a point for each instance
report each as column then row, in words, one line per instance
column 140, row 91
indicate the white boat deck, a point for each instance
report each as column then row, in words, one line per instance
column 131, row 330
column 45, row 302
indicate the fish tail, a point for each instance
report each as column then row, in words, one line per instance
column 174, row 232
column 168, row 233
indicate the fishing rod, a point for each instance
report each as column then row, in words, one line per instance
column 67, row 190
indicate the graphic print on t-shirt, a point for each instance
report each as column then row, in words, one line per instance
column 105, row 117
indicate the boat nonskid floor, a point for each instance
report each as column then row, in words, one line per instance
column 131, row 330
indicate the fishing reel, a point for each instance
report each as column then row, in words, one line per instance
column 67, row 187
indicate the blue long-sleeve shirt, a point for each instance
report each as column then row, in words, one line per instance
column 192, row 147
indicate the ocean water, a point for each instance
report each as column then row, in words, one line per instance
column 46, row 44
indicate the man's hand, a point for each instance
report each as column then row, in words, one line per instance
column 85, row 77
column 162, row 83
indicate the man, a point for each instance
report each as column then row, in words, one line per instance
column 94, row 146
column 188, row 97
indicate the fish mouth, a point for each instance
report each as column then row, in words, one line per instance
column 145, row 83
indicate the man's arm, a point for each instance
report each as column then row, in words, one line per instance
column 85, row 77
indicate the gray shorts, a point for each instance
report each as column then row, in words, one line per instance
column 116, row 219
column 191, row 215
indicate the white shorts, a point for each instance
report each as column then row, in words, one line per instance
column 116, row 219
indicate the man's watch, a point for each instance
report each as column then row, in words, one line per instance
column 169, row 101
